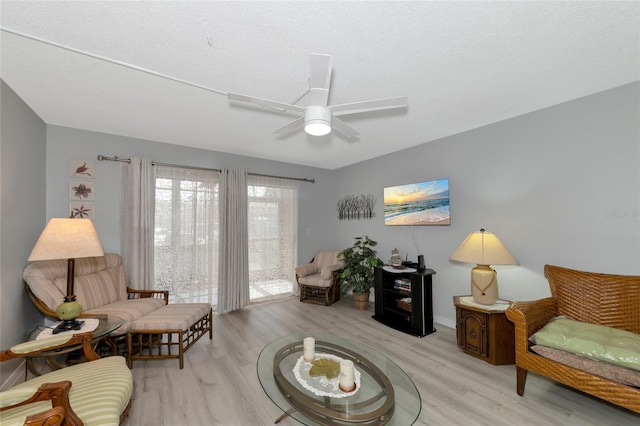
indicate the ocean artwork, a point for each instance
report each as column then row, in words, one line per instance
column 423, row 203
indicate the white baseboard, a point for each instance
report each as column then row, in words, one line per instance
column 444, row 321
column 14, row 378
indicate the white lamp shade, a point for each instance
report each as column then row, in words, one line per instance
column 483, row 248
column 67, row 239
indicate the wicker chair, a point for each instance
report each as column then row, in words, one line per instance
column 605, row 299
column 318, row 280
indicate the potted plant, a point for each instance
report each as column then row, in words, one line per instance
column 357, row 274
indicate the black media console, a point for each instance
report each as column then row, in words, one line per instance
column 404, row 300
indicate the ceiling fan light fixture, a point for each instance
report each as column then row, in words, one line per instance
column 317, row 120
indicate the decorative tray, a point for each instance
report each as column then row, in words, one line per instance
column 320, row 385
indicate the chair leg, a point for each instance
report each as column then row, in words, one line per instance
column 521, row 380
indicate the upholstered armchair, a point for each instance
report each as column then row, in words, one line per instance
column 94, row 392
column 319, row 279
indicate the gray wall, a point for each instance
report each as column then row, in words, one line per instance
column 560, row 186
column 22, row 214
column 63, row 144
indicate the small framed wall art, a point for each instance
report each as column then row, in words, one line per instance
column 81, row 169
column 81, row 191
column 82, row 209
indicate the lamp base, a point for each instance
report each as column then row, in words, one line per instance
column 68, row 325
column 484, row 285
column 68, row 311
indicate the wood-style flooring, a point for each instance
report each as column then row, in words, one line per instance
column 219, row 384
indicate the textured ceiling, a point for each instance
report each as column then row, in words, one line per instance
column 461, row 64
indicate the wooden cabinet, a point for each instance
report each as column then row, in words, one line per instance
column 403, row 300
column 485, row 332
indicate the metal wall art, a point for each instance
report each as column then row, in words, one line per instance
column 355, row 207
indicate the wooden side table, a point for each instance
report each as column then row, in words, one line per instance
column 484, row 331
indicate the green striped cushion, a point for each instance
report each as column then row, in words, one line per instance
column 100, row 392
column 39, row 344
column 177, row 316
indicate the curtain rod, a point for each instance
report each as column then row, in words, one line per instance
column 155, row 163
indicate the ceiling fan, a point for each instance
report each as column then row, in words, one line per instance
column 319, row 118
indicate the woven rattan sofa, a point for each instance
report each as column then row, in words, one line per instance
column 605, row 299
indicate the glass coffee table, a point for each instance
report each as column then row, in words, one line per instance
column 385, row 394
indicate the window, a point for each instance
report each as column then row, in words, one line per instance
column 272, row 228
column 186, row 234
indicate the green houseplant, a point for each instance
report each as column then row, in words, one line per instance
column 357, row 274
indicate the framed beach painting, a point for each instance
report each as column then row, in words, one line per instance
column 420, row 203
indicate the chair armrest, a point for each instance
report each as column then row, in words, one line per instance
column 529, row 317
column 39, row 304
column 51, row 417
column 141, row 294
column 328, row 271
column 306, row 269
column 57, row 393
column 34, row 347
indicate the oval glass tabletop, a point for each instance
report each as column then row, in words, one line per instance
column 385, row 394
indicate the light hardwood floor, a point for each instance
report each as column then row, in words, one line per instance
column 219, row 384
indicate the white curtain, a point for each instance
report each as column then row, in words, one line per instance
column 137, row 222
column 186, row 224
column 233, row 277
column 273, row 236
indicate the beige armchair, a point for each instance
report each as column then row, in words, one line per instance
column 94, row 392
column 319, row 279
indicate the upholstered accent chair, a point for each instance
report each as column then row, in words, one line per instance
column 319, row 279
column 97, row 392
column 604, row 299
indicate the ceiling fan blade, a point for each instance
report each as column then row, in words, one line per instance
column 291, row 127
column 319, row 79
column 344, row 128
column 320, row 71
column 365, row 106
column 280, row 106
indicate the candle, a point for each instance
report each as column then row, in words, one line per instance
column 346, row 381
column 309, row 352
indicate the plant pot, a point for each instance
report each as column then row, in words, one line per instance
column 361, row 300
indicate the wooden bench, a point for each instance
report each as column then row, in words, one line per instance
column 168, row 332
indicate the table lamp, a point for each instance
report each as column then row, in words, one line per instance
column 484, row 249
column 67, row 239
